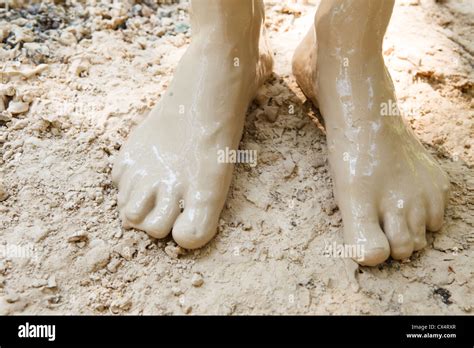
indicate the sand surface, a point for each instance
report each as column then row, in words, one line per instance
column 77, row 78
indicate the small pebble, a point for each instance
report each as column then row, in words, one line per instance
column 3, row 192
column 113, row 265
column 271, row 113
column 174, row 251
column 18, row 107
column 176, row 291
column 97, row 258
column 197, row 280
column 52, row 282
column 3, row 267
column 181, row 27
column 12, row 297
column 78, row 237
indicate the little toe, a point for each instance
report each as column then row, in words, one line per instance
column 435, row 211
column 398, row 235
column 121, row 163
column 417, row 226
column 124, row 190
column 118, row 170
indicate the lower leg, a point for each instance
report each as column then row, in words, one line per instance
column 170, row 161
column 386, row 184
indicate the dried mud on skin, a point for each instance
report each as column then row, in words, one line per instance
column 77, row 76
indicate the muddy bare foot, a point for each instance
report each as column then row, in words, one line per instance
column 388, row 187
column 168, row 172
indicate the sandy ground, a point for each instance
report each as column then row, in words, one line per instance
column 63, row 250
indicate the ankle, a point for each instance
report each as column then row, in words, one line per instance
column 228, row 22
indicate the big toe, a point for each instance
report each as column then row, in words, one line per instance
column 369, row 238
column 195, row 227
